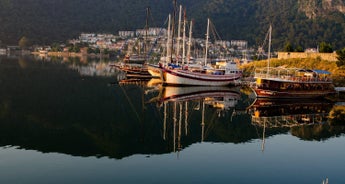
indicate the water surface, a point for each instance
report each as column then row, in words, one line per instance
column 67, row 121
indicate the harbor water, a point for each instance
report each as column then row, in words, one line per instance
column 75, row 121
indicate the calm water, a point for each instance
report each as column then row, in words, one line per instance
column 72, row 122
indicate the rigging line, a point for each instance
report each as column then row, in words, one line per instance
column 130, row 103
column 264, row 43
column 214, row 31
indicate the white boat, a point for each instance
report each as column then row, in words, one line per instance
column 208, row 77
column 221, row 75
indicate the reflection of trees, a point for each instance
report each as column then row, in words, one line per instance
column 317, row 132
column 333, row 127
column 337, row 115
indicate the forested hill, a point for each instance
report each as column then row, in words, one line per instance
column 299, row 22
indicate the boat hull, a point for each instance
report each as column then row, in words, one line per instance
column 281, row 82
column 184, row 77
column 155, row 71
column 264, row 93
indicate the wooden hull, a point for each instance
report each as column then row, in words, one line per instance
column 282, row 82
column 266, row 93
column 137, row 71
column 184, row 77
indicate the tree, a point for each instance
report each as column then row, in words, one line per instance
column 74, row 48
column 341, row 57
column 299, row 49
column 56, row 47
column 23, row 42
column 90, row 50
column 325, row 48
column 288, row 47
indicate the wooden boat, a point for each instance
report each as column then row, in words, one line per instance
column 134, row 65
column 293, row 83
column 133, row 70
column 282, row 82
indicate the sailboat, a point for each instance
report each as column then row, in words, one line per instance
column 134, row 65
column 221, row 75
column 155, row 70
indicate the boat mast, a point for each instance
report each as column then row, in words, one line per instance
column 168, row 58
column 189, row 41
column 173, row 31
column 207, row 36
column 184, row 38
column 179, row 33
column 146, row 30
column 269, row 50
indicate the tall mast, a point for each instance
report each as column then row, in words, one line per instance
column 184, row 38
column 168, row 58
column 207, row 36
column 189, row 41
column 146, row 30
column 269, row 49
column 179, row 33
column 173, row 31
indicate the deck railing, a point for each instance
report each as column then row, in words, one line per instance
column 288, row 78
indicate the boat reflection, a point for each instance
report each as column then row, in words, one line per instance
column 304, row 118
column 289, row 113
column 219, row 97
column 184, row 105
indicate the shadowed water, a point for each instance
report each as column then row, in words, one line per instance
column 70, row 121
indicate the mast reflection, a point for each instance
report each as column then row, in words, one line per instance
column 181, row 103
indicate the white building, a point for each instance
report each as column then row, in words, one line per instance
column 124, row 34
column 241, row 44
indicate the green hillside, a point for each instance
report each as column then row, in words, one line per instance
column 293, row 21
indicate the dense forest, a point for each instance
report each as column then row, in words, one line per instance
column 300, row 23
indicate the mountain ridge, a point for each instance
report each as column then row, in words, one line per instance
column 301, row 23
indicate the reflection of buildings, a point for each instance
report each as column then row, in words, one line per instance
column 84, row 65
column 94, row 69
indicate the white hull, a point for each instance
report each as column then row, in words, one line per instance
column 185, row 77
